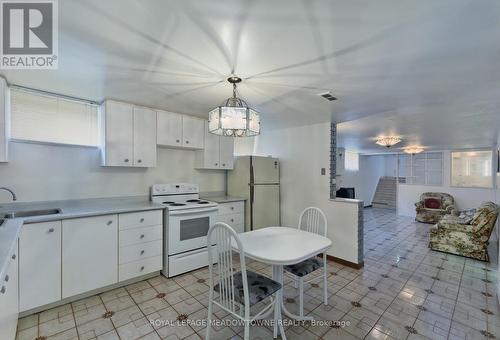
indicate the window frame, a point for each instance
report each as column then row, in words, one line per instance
column 493, row 168
column 58, row 97
column 411, row 157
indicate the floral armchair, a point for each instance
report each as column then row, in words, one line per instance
column 433, row 206
column 466, row 235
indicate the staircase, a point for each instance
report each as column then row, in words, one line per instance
column 385, row 194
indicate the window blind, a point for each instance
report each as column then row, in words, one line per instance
column 49, row 119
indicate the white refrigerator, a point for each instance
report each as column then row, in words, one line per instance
column 258, row 180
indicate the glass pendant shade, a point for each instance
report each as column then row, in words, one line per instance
column 234, row 118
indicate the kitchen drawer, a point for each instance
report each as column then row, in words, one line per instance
column 140, row 251
column 231, row 219
column 138, row 268
column 231, row 208
column 140, row 219
column 140, row 235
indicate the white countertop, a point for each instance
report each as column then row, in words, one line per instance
column 222, row 198
column 10, row 230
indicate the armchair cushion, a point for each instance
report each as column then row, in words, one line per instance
column 432, row 203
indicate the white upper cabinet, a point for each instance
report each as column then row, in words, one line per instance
column 118, row 139
column 169, row 129
column 218, row 152
column 4, row 108
column 226, row 152
column 129, row 135
column 180, row 131
column 144, row 137
column 193, row 132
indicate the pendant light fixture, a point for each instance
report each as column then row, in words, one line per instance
column 388, row 141
column 234, row 118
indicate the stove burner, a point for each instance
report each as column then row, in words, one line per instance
column 167, row 202
column 203, row 202
column 193, row 201
column 176, row 204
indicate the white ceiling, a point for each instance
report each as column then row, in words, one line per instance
column 401, row 60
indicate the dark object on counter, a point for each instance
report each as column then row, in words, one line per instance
column 346, row 193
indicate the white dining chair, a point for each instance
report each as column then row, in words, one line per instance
column 313, row 220
column 236, row 292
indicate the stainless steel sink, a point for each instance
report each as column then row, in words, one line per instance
column 32, row 213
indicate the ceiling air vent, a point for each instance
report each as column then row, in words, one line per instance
column 328, row 96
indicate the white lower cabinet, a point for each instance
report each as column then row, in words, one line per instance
column 233, row 214
column 62, row 259
column 39, row 264
column 9, row 304
column 141, row 244
column 89, row 254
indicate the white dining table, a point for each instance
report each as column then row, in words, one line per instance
column 281, row 246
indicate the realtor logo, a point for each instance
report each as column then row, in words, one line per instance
column 29, row 34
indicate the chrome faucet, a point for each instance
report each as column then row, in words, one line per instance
column 14, row 198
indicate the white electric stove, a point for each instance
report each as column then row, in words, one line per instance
column 186, row 223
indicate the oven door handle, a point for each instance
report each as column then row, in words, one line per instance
column 192, row 211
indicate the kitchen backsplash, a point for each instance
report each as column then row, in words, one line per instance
column 38, row 172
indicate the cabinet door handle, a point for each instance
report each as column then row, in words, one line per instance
column 232, row 220
column 3, row 290
column 187, row 142
column 14, row 256
column 142, row 236
column 177, row 140
column 109, row 223
column 216, row 164
column 126, row 160
column 141, row 220
column 7, row 278
column 142, row 268
column 139, row 161
column 51, row 230
column 232, row 208
column 223, row 164
column 142, row 252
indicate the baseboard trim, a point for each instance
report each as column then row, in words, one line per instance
column 345, row 262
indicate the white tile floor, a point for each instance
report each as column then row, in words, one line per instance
column 405, row 291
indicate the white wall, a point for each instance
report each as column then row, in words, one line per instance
column 365, row 180
column 464, row 197
column 303, row 151
column 50, row 172
column 391, row 165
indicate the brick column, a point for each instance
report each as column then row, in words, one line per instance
column 333, row 159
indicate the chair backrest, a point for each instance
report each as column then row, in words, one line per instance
column 313, row 220
column 224, row 237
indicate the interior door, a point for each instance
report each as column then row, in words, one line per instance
column 119, row 134
column 144, row 137
column 265, row 206
column 266, row 170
